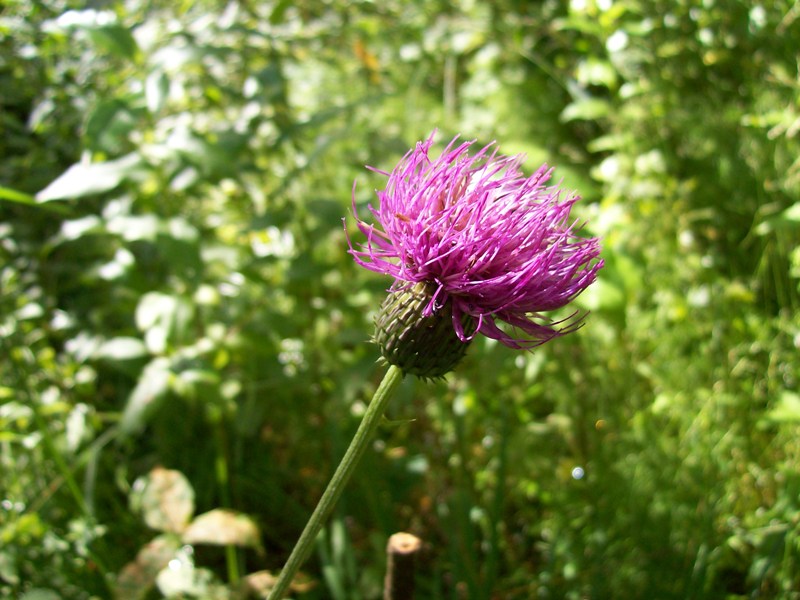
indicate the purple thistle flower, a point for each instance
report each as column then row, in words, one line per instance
column 495, row 245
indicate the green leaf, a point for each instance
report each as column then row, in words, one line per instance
column 74, row 229
column 151, row 389
column 788, row 219
column 197, row 383
column 607, row 143
column 786, row 410
column 163, row 319
column 156, row 89
column 15, row 196
column 121, row 349
column 587, row 109
column 602, row 295
column 133, row 228
column 114, row 39
column 593, row 71
column 9, row 195
column 109, row 124
column 87, row 179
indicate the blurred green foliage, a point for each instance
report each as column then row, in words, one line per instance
column 175, row 297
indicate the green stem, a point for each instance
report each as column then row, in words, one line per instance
column 223, row 479
column 366, row 430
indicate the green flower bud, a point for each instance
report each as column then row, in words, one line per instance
column 426, row 346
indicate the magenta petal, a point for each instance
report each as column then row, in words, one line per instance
column 500, row 246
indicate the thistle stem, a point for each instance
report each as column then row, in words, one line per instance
column 366, row 430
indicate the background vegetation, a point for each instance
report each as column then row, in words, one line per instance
column 182, row 330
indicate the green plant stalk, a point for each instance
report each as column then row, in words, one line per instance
column 366, row 430
column 223, row 479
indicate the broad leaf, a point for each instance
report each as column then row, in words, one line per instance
column 121, row 349
column 149, row 391
column 165, row 498
column 94, row 178
column 223, row 527
column 138, row 576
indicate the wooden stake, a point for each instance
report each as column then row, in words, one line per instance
column 399, row 582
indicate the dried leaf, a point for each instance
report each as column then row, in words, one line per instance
column 138, row 576
column 223, row 527
column 260, row 584
column 166, row 499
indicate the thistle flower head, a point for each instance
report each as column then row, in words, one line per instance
column 488, row 243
